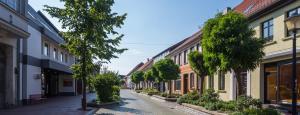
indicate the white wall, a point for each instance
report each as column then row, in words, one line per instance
column 33, row 83
column 34, row 43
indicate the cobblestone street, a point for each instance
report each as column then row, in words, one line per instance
column 141, row 105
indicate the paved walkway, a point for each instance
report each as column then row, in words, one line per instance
column 63, row 105
column 135, row 104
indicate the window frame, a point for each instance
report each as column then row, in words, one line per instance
column 211, row 82
column 269, row 37
column 221, row 80
column 179, row 59
column 178, row 81
column 61, row 57
column 185, row 52
column 46, row 48
column 192, row 81
column 55, row 54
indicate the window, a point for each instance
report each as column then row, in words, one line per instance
column 177, row 84
column 61, row 56
column 179, row 59
column 10, row 3
column 46, row 49
column 55, row 53
column 211, row 82
column 267, row 30
column 198, row 47
column 185, row 57
column 66, row 58
column 221, row 76
column 192, row 49
column 290, row 13
column 192, row 81
column 175, row 59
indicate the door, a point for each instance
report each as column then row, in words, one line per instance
column 185, row 83
column 271, row 83
column 243, row 83
column 2, row 77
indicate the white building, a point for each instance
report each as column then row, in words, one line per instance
column 32, row 63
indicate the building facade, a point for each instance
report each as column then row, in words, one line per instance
column 271, row 80
column 13, row 30
column 32, row 62
column 188, row 79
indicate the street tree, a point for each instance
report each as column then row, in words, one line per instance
column 90, row 33
column 148, row 77
column 137, row 77
column 168, row 71
column 229, row 45
column 157, row 78
column 197, row 64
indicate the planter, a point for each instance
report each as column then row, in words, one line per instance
column 94, row 104
column 164, row 98
column 199, row 108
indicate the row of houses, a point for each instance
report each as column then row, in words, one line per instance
column 33, row 64
column 270, row 81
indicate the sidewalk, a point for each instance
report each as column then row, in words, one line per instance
column 62, row 105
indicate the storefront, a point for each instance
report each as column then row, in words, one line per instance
column 278, row 86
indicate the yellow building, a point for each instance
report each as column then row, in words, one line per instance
column 271, row 81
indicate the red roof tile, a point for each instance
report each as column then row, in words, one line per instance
column 249, row 7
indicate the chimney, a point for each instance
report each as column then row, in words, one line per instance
column 226, row 10
column 148, row 59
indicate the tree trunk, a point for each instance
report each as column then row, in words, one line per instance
column 201, row 85
column 84, row 74
column 170, row 87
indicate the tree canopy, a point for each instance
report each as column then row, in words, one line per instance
column 137, row 76
column 90, row 33
column 167, row 71
column 148, row 76
column 197, row 63
column 229, row 43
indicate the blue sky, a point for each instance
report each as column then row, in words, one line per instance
column 153, row 25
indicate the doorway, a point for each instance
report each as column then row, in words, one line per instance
column 185, row 83
column 2, row 76
column 278, row 86
column 51, row 84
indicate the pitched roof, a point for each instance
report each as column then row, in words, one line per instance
column 135, row 68
column 250, row 7
column 170, row 48
column 146, row 66
column 188, row 40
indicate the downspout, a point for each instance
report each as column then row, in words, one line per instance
column 18, row 72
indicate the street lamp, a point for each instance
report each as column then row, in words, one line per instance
column 293, row 24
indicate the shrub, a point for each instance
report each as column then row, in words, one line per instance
column 191, row 98
column 170, row 96
column 245, row 102
column 209, row 95
column 106, row 89
column 150, row 91
column 228, row 106
column 253, row 111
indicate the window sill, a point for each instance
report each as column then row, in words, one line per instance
column 270, row 43
column 221, row 91
column 290, row 37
